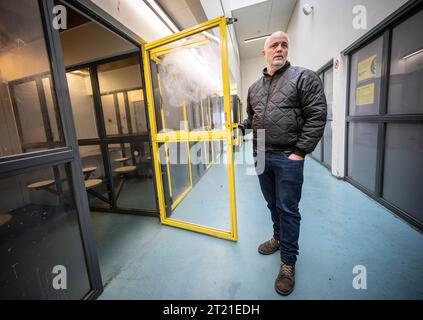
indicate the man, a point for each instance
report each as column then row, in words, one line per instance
column 289, row 104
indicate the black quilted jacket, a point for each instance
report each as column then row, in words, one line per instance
column 291, row 107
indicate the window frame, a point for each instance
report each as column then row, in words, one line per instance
column 321, row 73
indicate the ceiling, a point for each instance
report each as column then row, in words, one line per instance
column 184, row 13
column 19, row 24
column 258, row 20
column 255, row 18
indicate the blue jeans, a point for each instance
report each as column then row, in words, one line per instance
column 281, row 184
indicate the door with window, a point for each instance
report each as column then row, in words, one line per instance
column 188, row 93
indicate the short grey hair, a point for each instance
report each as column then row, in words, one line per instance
column 277, row 33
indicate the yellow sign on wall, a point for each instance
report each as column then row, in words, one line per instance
column 367, row 68
column 365, row 95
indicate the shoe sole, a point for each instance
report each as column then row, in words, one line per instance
column 282, row 293
column 267, row 253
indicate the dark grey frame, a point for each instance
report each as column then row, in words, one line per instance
column 384, row 29
column 319, row 72
column 63, row 99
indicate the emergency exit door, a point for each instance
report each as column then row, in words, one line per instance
column 188, row 93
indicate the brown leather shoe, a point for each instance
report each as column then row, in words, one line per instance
column 269, row 247
column 285, row 281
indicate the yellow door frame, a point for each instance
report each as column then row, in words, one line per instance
column 205, row 143
column 222, row 135
column 236, row 131
column 210, row 128
column 216, row 106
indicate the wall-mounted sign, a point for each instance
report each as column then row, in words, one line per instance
column 365, row 95
column 366, row 69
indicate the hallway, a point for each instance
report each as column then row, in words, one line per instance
column 114, row 113
column 341, row 228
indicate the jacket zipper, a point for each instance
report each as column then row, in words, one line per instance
column 267, row 100
column 268, row 91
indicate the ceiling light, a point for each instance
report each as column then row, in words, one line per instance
column 257, row 38
column 162, row 15
column 150, row 23
column 412, row 54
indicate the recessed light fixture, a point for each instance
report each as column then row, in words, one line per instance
column 257, row 38
column 162, row 15
column 412, row 54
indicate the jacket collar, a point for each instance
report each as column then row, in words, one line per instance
column 285, row 67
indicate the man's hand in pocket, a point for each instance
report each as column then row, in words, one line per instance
column 295, row 157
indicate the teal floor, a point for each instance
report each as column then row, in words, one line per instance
column 137, row 194
column 207, row 204
column 341, row 228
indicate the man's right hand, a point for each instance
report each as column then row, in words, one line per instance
column 242, row 128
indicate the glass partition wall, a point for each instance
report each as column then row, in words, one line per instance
column 111, row 125
column 108, row 107
column 44, row 215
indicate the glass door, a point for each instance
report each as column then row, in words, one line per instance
column 188, row 94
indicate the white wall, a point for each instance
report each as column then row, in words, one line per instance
column 317, row 38
column 82, row 106
column 21, row 62
column 251, row 70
